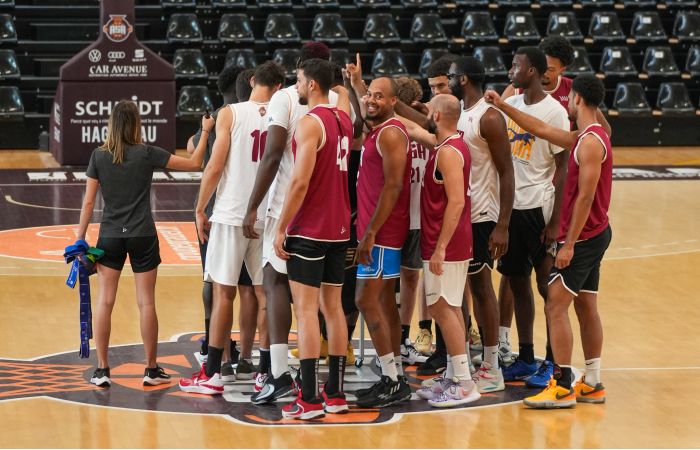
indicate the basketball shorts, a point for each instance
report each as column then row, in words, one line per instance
column 143, row 251
column 450, row 285
column 525, row 249
column 227, row 250
column 410, row 252
column 481, row 232
column 269, row 255
column 583, row 273
column 315, row 262
column 386, row 263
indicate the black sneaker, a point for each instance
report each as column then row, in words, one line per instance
column 404, row 391
column 274, row 389
column 101, row 377
column 366, row 391
column 154, row 377
column 228, row 375
column 386, row 393
column 436, row 364
column 245, row 370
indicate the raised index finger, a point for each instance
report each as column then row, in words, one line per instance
column 358, row 62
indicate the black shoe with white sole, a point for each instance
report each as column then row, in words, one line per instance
column 154, row 377
column 101, row 377
column 274, row 389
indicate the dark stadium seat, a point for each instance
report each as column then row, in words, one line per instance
column 321, row 4
column 686, row 27
column 478, row 26
column 681, row 3
column 692, row 62
column 388, row 62
column 8, row 65
column 646, row 26
column 8, row 34
column 472, row 3
column 597, row 3
column 617, row 61
column 194, row 101
column 427, row 28
column 184, row 29
column 329, row 28
column 281, row 28
column 581, row 64
column 498, row 87
column 639, row 3
column 189, row 63
column 512, row 3
column 520, row 26
column 556, row 3
column 236, row 28
column 674, row 100
column 178, row 3
column 288, row 58
column 428, row 57
column 631, row 100
column 605, row 26
column 274, row 3
column 564, row 24
column 381, row 28
column 229, row 4
column 372, row 3
column 342, row 56
column 11, row 106
column 419, row 3
column 492, row 60
column 241, row 57
column 659, row 62
column 7, row 3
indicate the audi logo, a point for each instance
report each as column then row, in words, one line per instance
column 116, row 55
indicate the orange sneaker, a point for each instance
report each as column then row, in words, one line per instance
column 553, row 396
column 589, row 394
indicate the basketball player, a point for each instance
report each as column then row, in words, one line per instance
column 538, row 197
column 283, row 114
column 312, row 235
column 584, row 236
column 236, row 155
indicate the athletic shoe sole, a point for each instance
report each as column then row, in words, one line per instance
column 228, row 378
column 496, row 388
column 550, row 404
column 590, row 399
column 201, row 390
column 396, row 401
column 148, row 381
column 272, row 397
column 245, row 376
column 474, row 396
column 306, row 415
column 336, row 409
column 101, row 382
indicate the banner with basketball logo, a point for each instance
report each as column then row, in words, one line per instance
column 115, row 67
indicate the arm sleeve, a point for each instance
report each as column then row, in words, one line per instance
column 92, row 166
column 559, row 120
column 279, row 110
column 158, row 156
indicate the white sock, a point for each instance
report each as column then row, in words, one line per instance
column 389, row 366
column 278, row 359
column 592, row 374
column 504, row 334
column 399, row 366
column 449, row 372
column 491, row 356
column 460, row 366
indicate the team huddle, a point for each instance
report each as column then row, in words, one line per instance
column 331, row 196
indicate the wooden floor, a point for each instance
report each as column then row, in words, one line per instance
column 649, row 304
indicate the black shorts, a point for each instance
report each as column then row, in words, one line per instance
column 350, row 281
column 583, row 273
column 244, row 277
column 410, row 252
column 525, row 249
column 315, row 262
column 481, row 232
column 143, row 251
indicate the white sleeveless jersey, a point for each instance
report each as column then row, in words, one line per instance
column 285, row 111
column 483, row 182
column 247, row 146
column 418, row 161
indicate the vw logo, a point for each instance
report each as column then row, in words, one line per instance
column 95, row 55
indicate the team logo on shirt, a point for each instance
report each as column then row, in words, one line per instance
column 520, row 141
column 262, row 111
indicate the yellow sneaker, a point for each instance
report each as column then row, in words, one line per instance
column 424, row 341
column 553, row 396
column 324, row 350
column 349, row 356
column 586, row 393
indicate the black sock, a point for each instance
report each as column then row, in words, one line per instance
column 264, row 361
column 336, row 373
column 309, row 389
column 405, row 333
column 527, row 353
column 439, row 341
column 425, row 324
column 565, row 376
column 549, row 356
column 351, row 331
column 213, row 361
column 205, row 342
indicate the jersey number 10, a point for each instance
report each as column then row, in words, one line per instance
column 258, row 144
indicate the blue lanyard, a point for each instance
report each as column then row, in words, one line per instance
column 80, row 271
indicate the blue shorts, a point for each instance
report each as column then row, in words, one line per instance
column 386, row 262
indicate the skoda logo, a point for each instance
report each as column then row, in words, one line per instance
column 116, row 55
column 95, row 55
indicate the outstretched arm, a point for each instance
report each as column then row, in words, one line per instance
column 194, row 162
column 418, row 133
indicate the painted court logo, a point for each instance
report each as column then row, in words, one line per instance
column 117, row 28
column 65, row 377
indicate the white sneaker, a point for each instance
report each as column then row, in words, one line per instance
column 455, row 394
column 434, row 390
column 411, row 356
column 260, row 380
column 201, row 359
column 489, row 379
column 505, row 353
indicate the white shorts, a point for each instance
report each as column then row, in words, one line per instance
column 450, row 285
column 227, row 249
column 269, row 255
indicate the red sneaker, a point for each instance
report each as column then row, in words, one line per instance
column 334, row 403
column 299, row 409
column 200, row 383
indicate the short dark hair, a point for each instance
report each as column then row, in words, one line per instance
column 226, row 82
column 269, row 74
column 243, row 88
column 314, row 50
column 472, row 68
column 590, row 88
column 320, row 71
column 558, row 47
column 441, row 66
column 535, row 57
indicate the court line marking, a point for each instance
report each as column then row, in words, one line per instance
column 9, row 199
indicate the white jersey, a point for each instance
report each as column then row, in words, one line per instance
column 285, row 111
column 419, row 159
column 533, row 158
column 246, row 150
column 484, row 182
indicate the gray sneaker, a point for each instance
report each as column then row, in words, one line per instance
column 227, row 373
column 245, row 370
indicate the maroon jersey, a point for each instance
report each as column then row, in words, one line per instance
column 597, row 220
column 433, row 201
column 560, row 93
column 370, row 182
column 324, row 214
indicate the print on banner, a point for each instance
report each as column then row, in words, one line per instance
column 117, row 28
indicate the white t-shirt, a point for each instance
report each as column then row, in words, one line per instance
column 285, row 111
column 419, row 156
column 533, row 158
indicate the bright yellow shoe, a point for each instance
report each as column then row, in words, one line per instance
column 589, row 394
column 324, row 350
column 553, row 396
column 424, row 342
column 349, row 356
